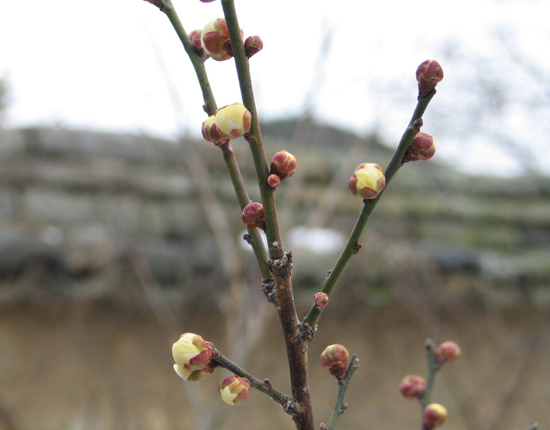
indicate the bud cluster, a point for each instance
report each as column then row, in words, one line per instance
column 283, row 165
column 229, row 122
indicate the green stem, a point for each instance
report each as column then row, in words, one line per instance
column 263, row 386
column 339, row 406
column 432, row 370
column 352, row 246
column 210, row 108
column 255, row 141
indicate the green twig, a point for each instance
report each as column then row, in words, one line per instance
column 255, row 140
column 433, row 367
column 352, row 245
column 340, row 406
column 263, row 386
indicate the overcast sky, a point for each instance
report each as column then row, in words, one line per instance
column 114, row 64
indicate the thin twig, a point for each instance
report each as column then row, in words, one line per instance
column 340, row 406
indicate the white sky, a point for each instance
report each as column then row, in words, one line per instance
column 107, row 64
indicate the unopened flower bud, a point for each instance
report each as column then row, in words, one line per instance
column 335, row 358
column 210, row 131
column 192, row 376
column 283, row 164
column 191, row 352
column 434, row 416
column 253, row 215
column 195, row 38
column 412, row 386
column 273, row 181
column 215, row 40
column 422, row 148
column 367, row 181
column 253, row 45
column 428, row 74
column 447, row 352
column 321, row 299
column 233, row 120
column 234, row 390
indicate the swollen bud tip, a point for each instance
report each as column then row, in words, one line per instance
column 335, row 358
column 412, row 387
column 447, row 352
column 434, row 416
column 367, row 181
column 234, row 390
column 428, row 74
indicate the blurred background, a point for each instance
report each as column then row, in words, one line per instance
column 119, row 229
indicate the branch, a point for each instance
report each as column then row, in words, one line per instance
column 432, row 370
column 353, row 246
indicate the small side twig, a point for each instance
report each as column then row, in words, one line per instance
column 340, row 406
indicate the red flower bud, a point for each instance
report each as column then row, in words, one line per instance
column 321, row 299
column 253, row 215
column 195, row 38
column 422, row 148
column 447, row 352
column 273, row 181
column 412, row 386
column 434, row 416
column 335, row 358
column 428, row 74
column 283, row 164
column 253, row 45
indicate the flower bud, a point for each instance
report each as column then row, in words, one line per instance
column 210, row 131
column 195, row 38
column 428, row 74
column 413, row 386
column 253, row 215
column 367, row 181
column 283, row 164
column 422, row 148
column 191, row 352
column 215, row 40
column 434, row 416
column 447, row 352
column 335, row 358
column 273, row 181
column 234, row 390
column 253, row 45
column 233, row 120
column 193, row 376
column 321, row 299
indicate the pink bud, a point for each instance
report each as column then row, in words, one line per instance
column 273, row 181
column 412, row 386
column 283, row 164
column 434, row 416
column 195, row 38
column 253, row 215
column 253, row 45
column 447, row 352
column 210, row 131
column 335, row 358
column 367, row 181
column 422, row 148
column 321, row 299
column 234, row 390
column 428, row 74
